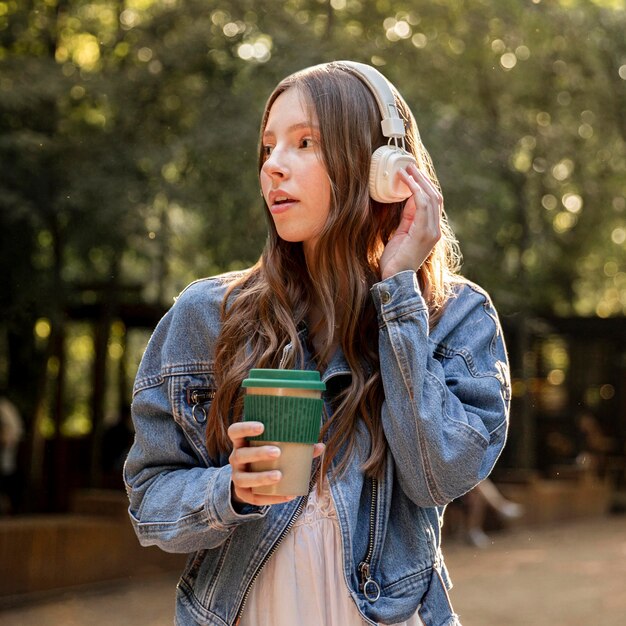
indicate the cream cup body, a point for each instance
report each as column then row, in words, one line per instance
column 294, row 392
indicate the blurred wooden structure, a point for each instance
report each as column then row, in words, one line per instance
column 564, row 371
column 94, row 543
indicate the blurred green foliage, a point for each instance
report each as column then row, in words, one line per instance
column 128, row 133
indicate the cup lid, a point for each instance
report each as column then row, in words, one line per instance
column 300, row 379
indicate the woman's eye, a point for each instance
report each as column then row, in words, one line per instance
column 267, row 150
column 307, row 142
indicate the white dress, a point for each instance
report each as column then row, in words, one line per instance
column 303, row 581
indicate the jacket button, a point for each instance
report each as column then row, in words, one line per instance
column 385, row 297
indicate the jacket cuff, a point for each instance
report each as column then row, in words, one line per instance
column 398, row 295
column 219, row 505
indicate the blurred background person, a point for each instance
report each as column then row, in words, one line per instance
column 11, row 433
column 477, row 503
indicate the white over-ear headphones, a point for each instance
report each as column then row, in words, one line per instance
column 384, row 184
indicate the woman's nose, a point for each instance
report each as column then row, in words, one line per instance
column 275, row 165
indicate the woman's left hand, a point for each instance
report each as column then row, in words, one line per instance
column 419, row 229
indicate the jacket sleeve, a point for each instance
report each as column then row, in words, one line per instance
column 446, row 407
column 179, row 499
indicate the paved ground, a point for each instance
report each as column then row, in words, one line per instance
column 568, row 575
column 573, row 574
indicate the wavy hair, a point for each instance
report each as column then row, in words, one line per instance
column 266, row 307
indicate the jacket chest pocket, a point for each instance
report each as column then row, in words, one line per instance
column 191, row 397
column 199, row 398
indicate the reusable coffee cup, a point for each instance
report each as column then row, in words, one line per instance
column 289, row 404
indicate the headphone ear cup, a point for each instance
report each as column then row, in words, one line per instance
column 385, row 185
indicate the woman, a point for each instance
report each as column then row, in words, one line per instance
column 412, row 356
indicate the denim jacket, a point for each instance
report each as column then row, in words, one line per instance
column 445, row 418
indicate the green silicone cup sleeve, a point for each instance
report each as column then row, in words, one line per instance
column 286, row 418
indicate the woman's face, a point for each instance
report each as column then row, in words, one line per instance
column 294, row 180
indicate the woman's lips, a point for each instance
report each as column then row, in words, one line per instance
column 280, row 207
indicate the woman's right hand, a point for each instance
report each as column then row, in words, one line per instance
column 243, row 480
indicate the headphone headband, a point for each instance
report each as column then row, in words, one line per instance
column 391, row 124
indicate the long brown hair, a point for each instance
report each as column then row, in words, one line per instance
column 265, row 308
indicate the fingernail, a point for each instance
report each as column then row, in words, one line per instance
column 272, row 451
